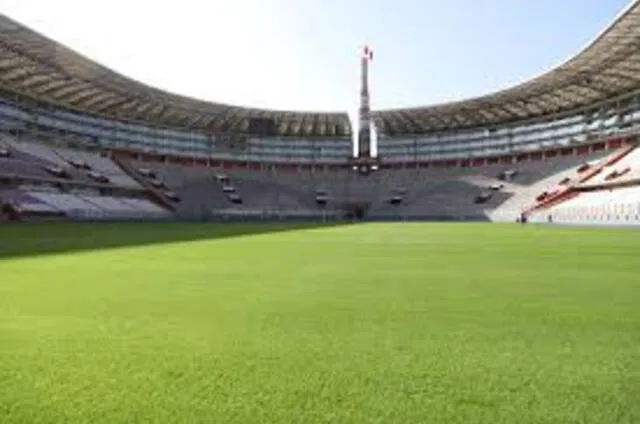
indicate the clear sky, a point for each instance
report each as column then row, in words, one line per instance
column 303, row 54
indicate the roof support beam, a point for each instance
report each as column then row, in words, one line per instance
column 456, row 120
column 310, row 124
column 433, row 123
column 34, row 80
column 627, row 73
column 206, row 122
column 499, row 110
column 109, row 105
column 284, row 123
column 154, row 112
column 218, row 122
column 97, row 99
column 323, row 125
column 130, row 104
column 69, row 90
column 392, row 123
column 53, row 85
column 17, row 72
column 196, row 119
column 410, row 123
column 11, row 61
column 169, row 116
column 473, row 116
column 296, row 127
column 430, row 121
column 144, row 107
column 84, row 95
column 599, row 86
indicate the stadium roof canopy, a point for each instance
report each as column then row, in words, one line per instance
column 608, row 67
column 37, row 67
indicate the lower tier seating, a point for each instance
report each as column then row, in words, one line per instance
column 82, row 206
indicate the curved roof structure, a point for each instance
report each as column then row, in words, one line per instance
column 37, row 67
column 608, row 67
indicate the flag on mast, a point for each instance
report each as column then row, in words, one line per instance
column 368, row 53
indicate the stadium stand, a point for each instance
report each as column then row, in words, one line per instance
column 498, row 192
column 455, row 193
column 23, row 202
column 604, row 193
column 38, row 181
column 532, row 150
column 615, row 206
column 82, row 207
column 96, row 163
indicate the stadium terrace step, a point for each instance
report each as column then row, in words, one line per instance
column 157, row 194
column 572, row 190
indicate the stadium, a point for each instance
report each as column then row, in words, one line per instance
column 447, row 263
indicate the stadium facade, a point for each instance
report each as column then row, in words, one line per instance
column 578, row 112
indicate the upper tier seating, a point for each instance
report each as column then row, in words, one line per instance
column 37, row 150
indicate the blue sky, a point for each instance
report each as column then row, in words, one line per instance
column 303, row 54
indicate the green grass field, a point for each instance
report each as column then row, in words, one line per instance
column 376, row 323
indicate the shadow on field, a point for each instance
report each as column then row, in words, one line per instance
column 32, row 239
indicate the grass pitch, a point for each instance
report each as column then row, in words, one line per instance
column 380, row 323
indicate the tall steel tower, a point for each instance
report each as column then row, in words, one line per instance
column 364, row 115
